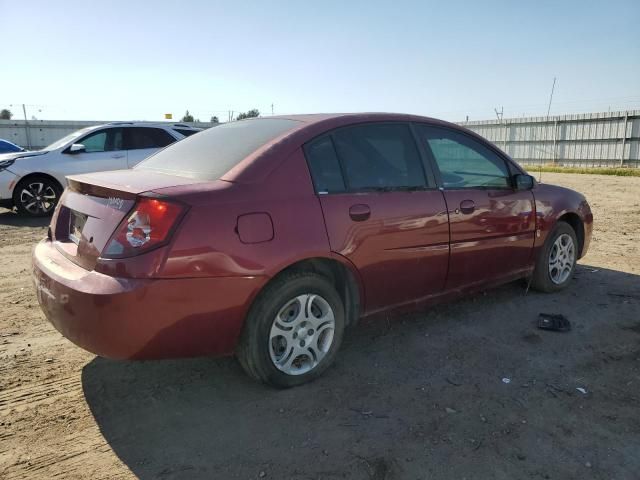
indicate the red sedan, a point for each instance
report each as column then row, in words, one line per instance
column 268, row 237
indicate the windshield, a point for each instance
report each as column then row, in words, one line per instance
column 213, row 152
column 64, row 140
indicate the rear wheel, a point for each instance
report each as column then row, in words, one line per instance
column 293, row 331
column 36, row 196
column 557, row 260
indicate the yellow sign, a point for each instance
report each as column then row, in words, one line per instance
column 168, row 116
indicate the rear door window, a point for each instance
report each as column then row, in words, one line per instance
column 324, row 166
column 379, row 156
column 147, row 137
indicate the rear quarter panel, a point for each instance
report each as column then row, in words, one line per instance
column 208, row 242
column 207, row 245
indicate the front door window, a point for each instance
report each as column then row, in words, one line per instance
column 464, row 162
column 107, row 140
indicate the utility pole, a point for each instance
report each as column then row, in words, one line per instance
column 272, row 109
column 500, row 115
column 551, row 97
column 26, row 126
column 555, row 124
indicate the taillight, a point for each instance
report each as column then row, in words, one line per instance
column 148, row 226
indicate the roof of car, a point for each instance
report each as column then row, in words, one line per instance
column 314, row 123
column 156, row 124
column 353, row 117
column 261, row 162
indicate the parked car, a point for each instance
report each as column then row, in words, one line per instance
column 7, row 147
column 267, row 237
column 33, row 181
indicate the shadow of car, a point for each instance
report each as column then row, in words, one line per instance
column 382, row 411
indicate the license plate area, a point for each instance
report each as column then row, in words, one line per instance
column 76, row 224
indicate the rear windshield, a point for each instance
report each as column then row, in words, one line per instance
column 213, row 152
column 186, row 133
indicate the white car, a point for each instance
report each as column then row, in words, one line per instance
column 33, row 181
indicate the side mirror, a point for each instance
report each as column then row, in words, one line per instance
column 523, row 182
column 77, row 148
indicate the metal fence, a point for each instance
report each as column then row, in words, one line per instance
column 609, row 139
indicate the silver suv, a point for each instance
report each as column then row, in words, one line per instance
column 33, row 181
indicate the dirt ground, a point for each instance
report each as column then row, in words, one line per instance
column 410, row 397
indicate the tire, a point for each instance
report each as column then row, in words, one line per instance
column 44, row 191
column 299, row 306
column 553, row 279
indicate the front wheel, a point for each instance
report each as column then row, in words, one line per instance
column 36, row 196
column 293, row 331
column 557, row 260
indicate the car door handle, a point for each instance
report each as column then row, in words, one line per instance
column 467, row 206
column 118, row 155
column 359, row 212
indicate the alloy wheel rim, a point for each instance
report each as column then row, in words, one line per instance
column 37, row 198
column 301, row 334
column 561, row 259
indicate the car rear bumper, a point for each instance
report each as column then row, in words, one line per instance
column 141, row 318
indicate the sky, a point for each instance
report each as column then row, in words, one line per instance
column 137, row 60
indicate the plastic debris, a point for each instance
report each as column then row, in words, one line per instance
column 581, row 390
column 506, row 380
column 552, row 321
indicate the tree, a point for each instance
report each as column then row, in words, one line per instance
column 187, row 117
column 214, row 119
column 250, row 114
column 5, row 114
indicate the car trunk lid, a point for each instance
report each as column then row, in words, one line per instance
column 93, row 207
